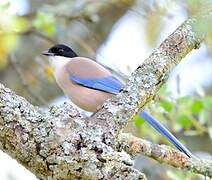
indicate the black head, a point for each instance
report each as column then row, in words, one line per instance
column 60, row 50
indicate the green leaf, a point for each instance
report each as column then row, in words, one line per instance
column 138, row 120
column 197, row 106
column 164, row 91
column 179, row 175
column 207, row 101
column 184, row 121
column 174, row 175
column 45, row 22
column 185, row 100
column 201, row 26
column 4, row 6
column 167, row 105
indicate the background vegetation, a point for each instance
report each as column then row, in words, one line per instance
column 118, row 34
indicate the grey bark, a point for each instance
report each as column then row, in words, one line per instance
column 61, row 144
column 58, row 144
column 164, row 154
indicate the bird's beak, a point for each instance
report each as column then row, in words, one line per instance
column 46, row 53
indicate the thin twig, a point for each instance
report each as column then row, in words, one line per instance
column 164, row 154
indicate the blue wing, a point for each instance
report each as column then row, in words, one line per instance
column 165, row 132
column 107, row 84
column 112, row 85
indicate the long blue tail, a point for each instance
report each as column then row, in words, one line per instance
column 112, row 85
column 165, row 132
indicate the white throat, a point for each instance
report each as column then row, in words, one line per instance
column 58, row 61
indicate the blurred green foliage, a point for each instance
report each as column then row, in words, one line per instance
column 155, row 23
column 10, row 26
column 45, row 22
column 184, row 114
column 188, row 115
column 179, row 175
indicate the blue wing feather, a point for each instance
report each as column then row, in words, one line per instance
column 107, row 84
column 165, row 132
column 112, row 85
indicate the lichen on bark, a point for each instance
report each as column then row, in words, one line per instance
column 61, row 144
column 58, row 144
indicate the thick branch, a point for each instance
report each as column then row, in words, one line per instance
column 148, row 78
column 144, row 82
column 58, row 144
column 164, row 154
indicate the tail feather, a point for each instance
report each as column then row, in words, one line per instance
column 165, row 132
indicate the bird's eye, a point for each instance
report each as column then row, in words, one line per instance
column 61, row 50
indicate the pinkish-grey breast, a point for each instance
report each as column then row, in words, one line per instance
column 86, row 98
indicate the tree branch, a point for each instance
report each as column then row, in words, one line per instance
column 60, row 144
column 152, row 74
column 164, row 154
column 144, row 83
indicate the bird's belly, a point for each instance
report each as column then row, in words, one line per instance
column 87, row 99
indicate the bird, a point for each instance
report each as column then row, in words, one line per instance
column 88, row 85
